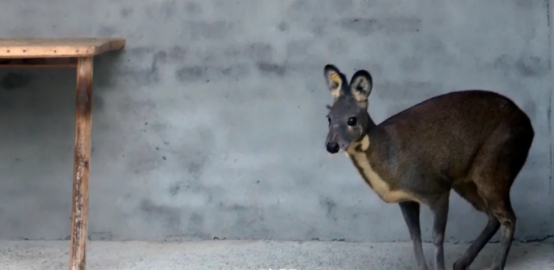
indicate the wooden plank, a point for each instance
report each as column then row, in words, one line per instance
column 83, row 123
column 55, row 48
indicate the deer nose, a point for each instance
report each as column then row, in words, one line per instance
column 333, row 147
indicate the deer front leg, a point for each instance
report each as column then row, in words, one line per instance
column 410, row 211
column 440, row 211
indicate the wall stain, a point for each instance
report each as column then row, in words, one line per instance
column 168, row 216
column 271, row 68
column 195, row 73
column 162, row 10
column 231, row 207
column 174, row 189
column 525, row 66
column 174, row 54
column 328, row 204
column 208, row 30
column 301, row 7
column 526, row 4
column 143, row 160
column 365, row 26
column 188, row 185
column 177, row 54
column 126, row 12
column 258, row 51
column 140, row 51
column 107, row 30
column 193, row 8
column 193, row 157
column 530, row 66
column 191, row 73
column 247, row 221
column 147, row 75
column 195, row 168
column 342, row 5
column 283, row 26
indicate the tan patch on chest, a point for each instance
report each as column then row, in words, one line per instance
column 359, row 156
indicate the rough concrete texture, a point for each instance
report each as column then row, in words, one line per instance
column 257, row 255
column 211, row 123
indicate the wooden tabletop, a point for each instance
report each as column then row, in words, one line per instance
column 57, row 48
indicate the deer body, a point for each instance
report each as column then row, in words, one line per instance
column 474, row 142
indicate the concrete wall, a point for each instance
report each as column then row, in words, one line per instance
column 211, row 123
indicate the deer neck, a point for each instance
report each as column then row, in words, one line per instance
column 370, row 161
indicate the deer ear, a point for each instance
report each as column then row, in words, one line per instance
column 360, row 85
column 334, row 80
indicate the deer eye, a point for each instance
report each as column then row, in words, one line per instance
column 329, row 120
column 352, row 121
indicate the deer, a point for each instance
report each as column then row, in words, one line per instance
column 474, row 142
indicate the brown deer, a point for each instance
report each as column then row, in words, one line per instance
column 472, row 141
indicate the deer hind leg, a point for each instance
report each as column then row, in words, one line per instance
column 494, row 170
column 501, row 164
column 469, row 192
column 494, row 180
column 500, row 206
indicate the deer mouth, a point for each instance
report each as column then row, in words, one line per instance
column 336, row 148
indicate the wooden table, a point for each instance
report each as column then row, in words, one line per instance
column 68, row 53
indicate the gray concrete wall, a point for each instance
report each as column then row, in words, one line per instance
column 211, row 122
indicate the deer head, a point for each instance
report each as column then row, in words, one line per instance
column 348, row 117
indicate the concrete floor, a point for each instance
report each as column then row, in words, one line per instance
column 255, row 255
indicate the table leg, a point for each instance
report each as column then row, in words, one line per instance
column 83, row 121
